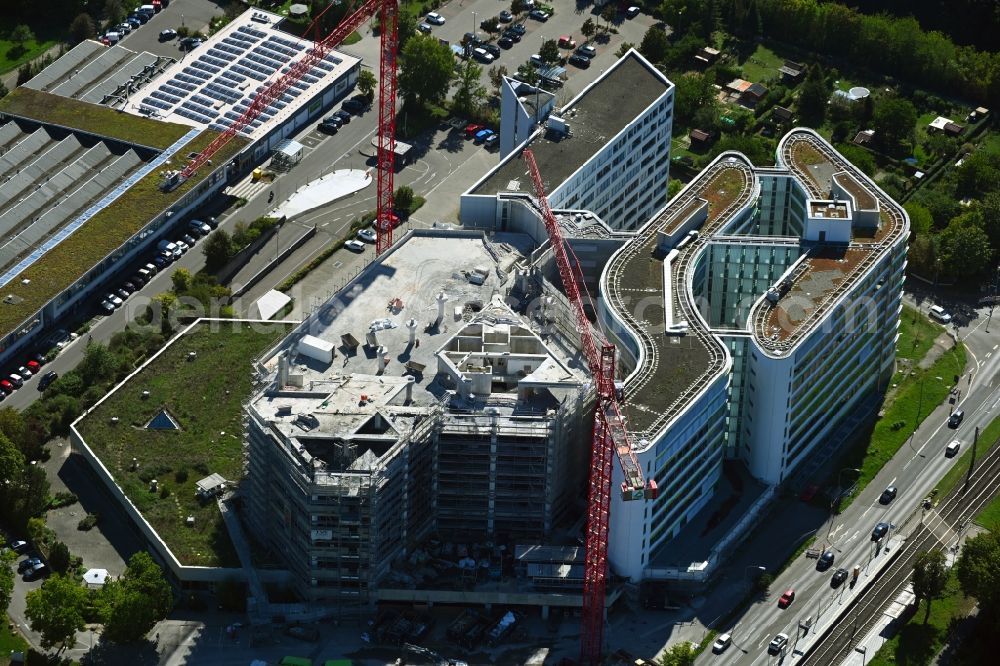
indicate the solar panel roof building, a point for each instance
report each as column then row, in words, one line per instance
column 212, row 86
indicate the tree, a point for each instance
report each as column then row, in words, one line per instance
column 549, row 53
column 608, row 14
column 82, row 28
column 403, row 197
column 965, row 249
column 4, row 90
column 406, row 28
column 654, row 44
column 750, row 145
column 367, row 83
column 113, row 11
column 588, row 29
column 989, row 213
column 55, row 610
column 59, row 557
column 693, row 91
column 623, row 49
column 978, row 569
column 920, row 218
column 813, row 98
column 98, row 364
column 181, row 279
column 491, row 25
column 858, row 156
column 518, row 7
column 218, row 249
column 426, row 68
column 527, row 73
column 7, row 558
column 496, row 73
column 930, row 576
column 21, row 34
column 979, row 174
column 681, row 654
column 678, row 14
column 470, row 93
column 673, row 187
column 894, row 121
column 134, row 603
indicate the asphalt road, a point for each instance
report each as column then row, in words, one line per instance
column 915, row 470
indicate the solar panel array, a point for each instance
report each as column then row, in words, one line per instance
column 219, row 85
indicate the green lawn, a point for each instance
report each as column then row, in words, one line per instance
column 205, row 398
column 916, row 642
column 9, row 642
column 94, row 118
column 956, row 475
column 916, row 334
column 914, row 398
column 102, row 234
column 12, row 58
column 762, row 65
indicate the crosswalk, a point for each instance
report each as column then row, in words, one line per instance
column 246, row 188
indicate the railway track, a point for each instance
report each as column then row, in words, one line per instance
column 859, row 618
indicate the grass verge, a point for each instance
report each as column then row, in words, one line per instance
column 916, row 334
column 916, row 395
column 10, row 642
column 204, row 397
column 917, row 642
column 11, row 57
column 956, row 475
column 352, row 38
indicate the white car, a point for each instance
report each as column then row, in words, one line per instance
column 434, row 18
column 24, row 372
column 632, row 12
column 721, row 643
column 355, row 246
column 114, row 300
column 367, row 235
column 777, row 644
column 182, row 246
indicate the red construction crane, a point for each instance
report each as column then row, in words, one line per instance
column 388, row 20
column 610, row 438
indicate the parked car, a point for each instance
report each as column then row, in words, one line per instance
column 7, row 387
column 472, row 129
column 505, row 42
column 18, row 546
column 538, row 15
column 632, row 12
column 182, row 246
column 825, row 560
column 211, row 222
column 134, row 22
column 839, row 576
column 505, row 17
column 113, row 299
column 47, row 379
column 482, row 55
column 492, row 49
column 587, row 50
column 36, row 572
column 786, row 599
column 189, row 43
column 880, row 531
column 956, row 418
column 434, row 18
column 492, row 141
column 33, row 365
column 331, row 125
column 124, row 28
column 566, row 42
column 888, row 495
column 345, row 116
column 367, row 235
column 138, row 16
column 356, row 104
column 24, row 372
column 518, row 28
column 168, row 34
column 354, row 245
column 200, row 226
column 189, row 239
column 16, row 379
column 581, row 61
column 122, row 293
column 28, row 563
column 777, row 644
column 512, row 35
column 160, row 261
column 424, row 28
column 722, row 642
column 483, row 134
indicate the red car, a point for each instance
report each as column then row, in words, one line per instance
column 472, row 130
column 33, row 366
column 786, row 599
column 6, row 386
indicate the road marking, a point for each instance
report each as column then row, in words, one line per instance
column 995, row 347
column 988, row 354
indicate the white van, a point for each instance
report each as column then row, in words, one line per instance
column 113, row 37
column 482, row 55
column 148, row 9
column 937, row 312
column 536, row 60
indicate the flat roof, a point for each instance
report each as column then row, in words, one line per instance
column 675, row 367
column 212, row 86
column 91, row 118
column 106, row 230
column 596, row 116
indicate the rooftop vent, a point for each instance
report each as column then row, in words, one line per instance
column 557, row 124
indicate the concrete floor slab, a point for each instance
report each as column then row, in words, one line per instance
column 324, row 191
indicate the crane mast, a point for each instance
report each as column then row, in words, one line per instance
column 610, row 440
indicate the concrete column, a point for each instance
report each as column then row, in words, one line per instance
column 412, row 329
column 441, row 299
column 372, row 339
column 545, row 612
column 380, row 352
column 410, row 381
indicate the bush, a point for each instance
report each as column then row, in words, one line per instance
column 164, row 492
column 155, row 472
column 62, row 499
column 88, row 522
column 181, row 475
